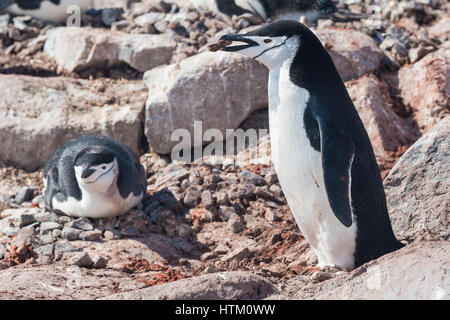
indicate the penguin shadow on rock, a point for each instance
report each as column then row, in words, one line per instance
column 99, row 178
column 320, row 149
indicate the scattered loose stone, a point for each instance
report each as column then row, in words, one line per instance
column 235, row 224
column 25, row 194
column 129, row 231
column 222, row 249
column 80, row 259
column 24, row 219
column 46, row 217
column 112, row 234
column 70, row 234
column 64, row 247
column 46, row 227
column 275, row 238
column 46, row 250
column 92, row 235
column 11, row 231
column 81, row 224
column 251, row 177
column 225, row 212
column 222, row 198
column 47, row 238
column 99, row 262
column 208, row 256
column 271, row 215
column 237, row 254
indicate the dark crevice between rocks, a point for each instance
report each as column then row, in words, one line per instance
column 28, row 71
column 116, row 71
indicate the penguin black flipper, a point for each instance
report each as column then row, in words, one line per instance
column 338, row 152
column 5, row 3
column 52, row 189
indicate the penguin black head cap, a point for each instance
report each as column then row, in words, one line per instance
column 92, row 160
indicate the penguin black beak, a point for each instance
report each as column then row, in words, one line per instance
column 87, row 173
column 240, row 38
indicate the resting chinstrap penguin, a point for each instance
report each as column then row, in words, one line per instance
column 320, row 148
column 93, row 177
column 49, row 10
column 311, row 9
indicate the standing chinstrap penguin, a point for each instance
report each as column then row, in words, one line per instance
column 94, row 177
column 48, row 10
column 320, row 148
column 265, row 9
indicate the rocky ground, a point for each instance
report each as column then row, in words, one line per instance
column 214, row 230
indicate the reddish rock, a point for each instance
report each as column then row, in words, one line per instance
column 354, row 53
column 425, row 88
column 387, row 131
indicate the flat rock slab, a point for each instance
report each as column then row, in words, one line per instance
column 418, row 271
column 40, row 114
column 77, row 49
column 418, row 188
column 218, row 286
column 60, row 282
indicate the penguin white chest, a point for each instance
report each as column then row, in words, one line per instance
column 97, row 205
column 299, row 169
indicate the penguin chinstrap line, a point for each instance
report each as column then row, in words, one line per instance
column 55, row 11
column 320, row 149
column 93, row 177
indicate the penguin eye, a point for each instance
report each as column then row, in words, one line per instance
column 103, row 167
column 267, row 40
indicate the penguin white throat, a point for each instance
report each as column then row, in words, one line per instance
column 100, row 197
column 297, row 163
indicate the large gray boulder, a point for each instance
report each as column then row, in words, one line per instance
column 219, row 89
column 418, row 186
column 417, row 272
column 218, row 286
column 40, row 114
column 76, row 49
